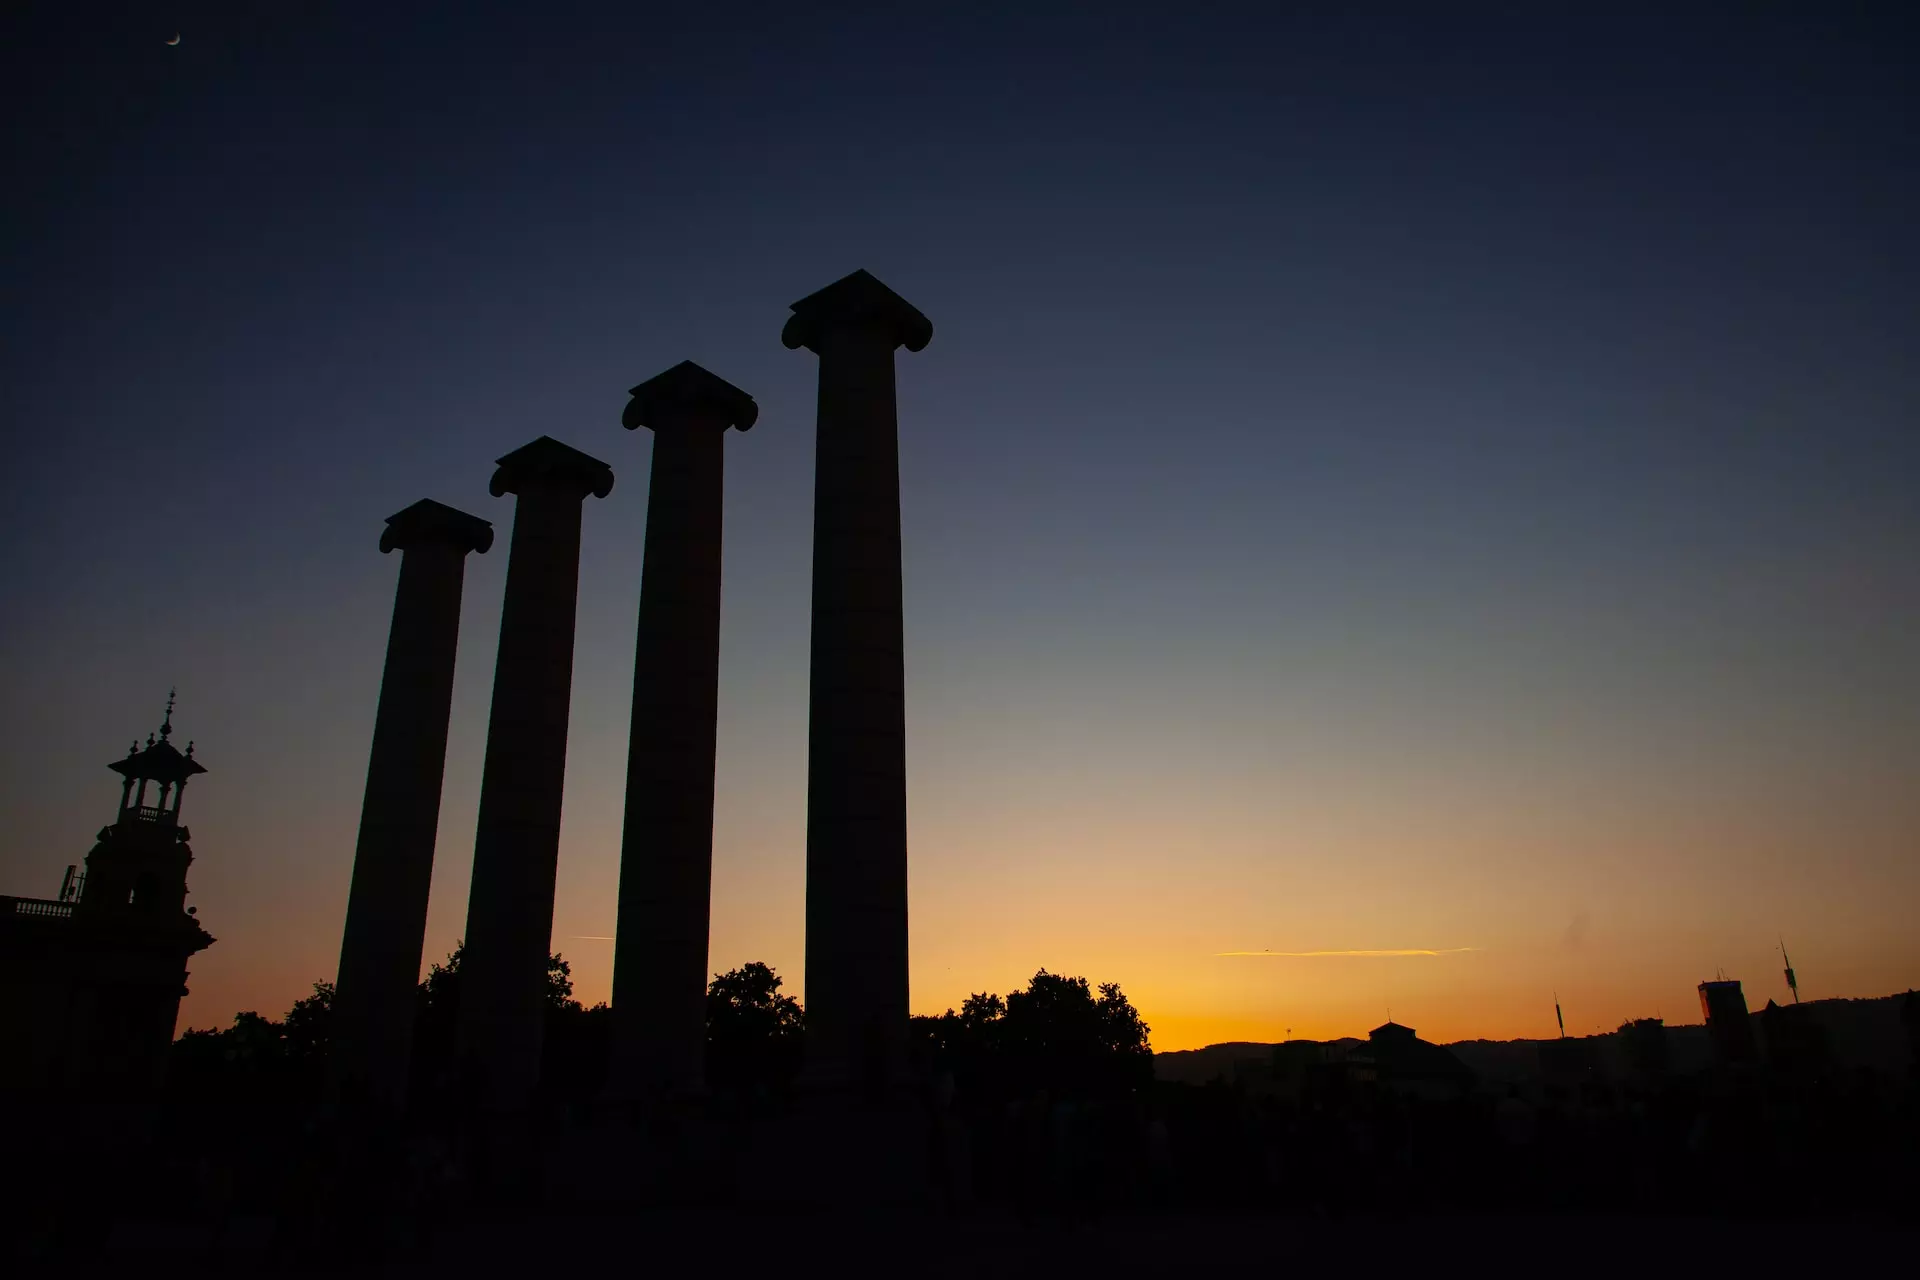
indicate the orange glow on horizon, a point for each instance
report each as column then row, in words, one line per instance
column 1105, row 902
column 1391, row 953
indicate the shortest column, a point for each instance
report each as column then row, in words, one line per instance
column 373, row 1008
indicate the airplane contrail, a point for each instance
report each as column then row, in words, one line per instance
column 1398, row 951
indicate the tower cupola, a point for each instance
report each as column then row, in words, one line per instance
column 140, row 861
column 161, row 767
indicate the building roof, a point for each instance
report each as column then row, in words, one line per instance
column 1399, row 1054
column 161, row 761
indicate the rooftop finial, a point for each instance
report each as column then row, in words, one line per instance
column 166, row 725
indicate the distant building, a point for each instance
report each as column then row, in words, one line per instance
column 1644, row 1052
column 1729, row 1025
column 1397, row 1059
column 91, row 981
column 1797, row 1045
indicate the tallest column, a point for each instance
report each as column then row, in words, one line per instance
column 856, row 980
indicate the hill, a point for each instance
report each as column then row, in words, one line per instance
column 1867, row 1033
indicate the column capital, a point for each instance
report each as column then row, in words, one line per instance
column 427, row 521
column 548, row 464
column 689, row 395
column 858, row 302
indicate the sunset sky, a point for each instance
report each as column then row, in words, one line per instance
column 1380, row 482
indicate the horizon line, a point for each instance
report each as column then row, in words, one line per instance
column 1391, row 952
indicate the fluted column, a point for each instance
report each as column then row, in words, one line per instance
column 666, row 848
column 373, row 1003
column 856, row 980
column 517, row 844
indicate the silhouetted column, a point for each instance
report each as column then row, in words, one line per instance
column 666, row 848
column 373, row 1002
column 516, row 847
column 856, row 981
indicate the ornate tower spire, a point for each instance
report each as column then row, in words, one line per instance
column 159, row 762
column 103, row 967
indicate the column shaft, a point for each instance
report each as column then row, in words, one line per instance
column 856, row 980
column 501, row 1020
column 393, row 859
column 666, row 855
column 374, row 994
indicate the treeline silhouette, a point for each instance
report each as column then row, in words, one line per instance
column 1056, row 1036
column 260, row 1059
column 1044, row 1102
column 1374, row 1127
column 754, row 1043
column 1041, row 1103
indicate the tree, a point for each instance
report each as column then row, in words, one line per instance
column 308, row 1027
column 982, row 1010
column 261, row 1057
column 754, row 1033
column 441, row 987
column 436, row 1024
column 1056, row 1035
column 257, row 1057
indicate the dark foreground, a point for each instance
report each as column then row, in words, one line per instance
column 1708, row 1174
column 988, row 1243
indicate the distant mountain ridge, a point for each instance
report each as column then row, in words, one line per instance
column 1863, row 1033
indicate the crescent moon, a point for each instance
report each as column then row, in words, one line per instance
column 176, row 38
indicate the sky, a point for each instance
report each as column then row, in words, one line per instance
column 1383, row 479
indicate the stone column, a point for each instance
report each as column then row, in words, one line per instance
column 516, row 847
column 666, row 848
column 373, row 1002
column 856, row 981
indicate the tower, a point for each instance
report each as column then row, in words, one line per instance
column 138, row 869
column 1729, row 1026
column 91, row 981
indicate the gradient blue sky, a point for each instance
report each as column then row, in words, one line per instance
column 1382, row 478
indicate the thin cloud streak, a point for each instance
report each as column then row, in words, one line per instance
column 1402, row 951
